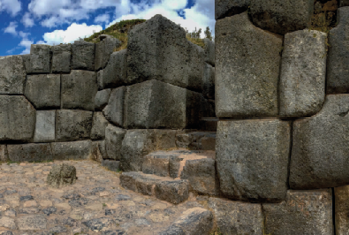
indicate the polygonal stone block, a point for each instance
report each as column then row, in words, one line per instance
column 12, row 75
column 3, row 153
column 44, row 90
column 341, row 209
column 338, row 55
column 102, row 98
column 114, row 111
column 158, row 49
column 39, row 60
column 303, row 74
column 113, row 141
column 103, row 51
column 29, row 152
column 98, row 126
column 79, row 90
column 17, row 118
column 320, row 150
column 247, row 69
column 61, row 58
column 210, row 52
column 225, row 8
column 83, row 55
column 76, row 150
column 111, row 165
column 73, row 125
column 244, row 152
column 303, row 212
column 45, row 126
column 282, row 16
column 209, row 82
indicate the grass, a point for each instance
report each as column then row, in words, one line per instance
column 197, row 41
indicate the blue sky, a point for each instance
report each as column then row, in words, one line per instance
column 26, row 22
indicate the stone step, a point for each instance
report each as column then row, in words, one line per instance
column 192, row 222
column 208, row 123
column 198, row 167
column 198, row 140
column 163, row 188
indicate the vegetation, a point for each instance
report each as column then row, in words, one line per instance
column 120, row 31
column 325, row 15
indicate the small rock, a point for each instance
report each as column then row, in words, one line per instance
column 122, row 197
column 97, row 225
column 50, row 210
column 32, row 222
column 62, row 175
column 26, row 198
column 78, row 202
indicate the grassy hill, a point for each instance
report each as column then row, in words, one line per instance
column 120, row 31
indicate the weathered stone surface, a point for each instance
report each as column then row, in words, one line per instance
column 304, row 212
column 237, row 217
column 83, row 55
column 247, row 69
column 12, row 75
column 136, row 144
column 210, row 52
column 165, row 139
column 39, row 60
column 303, row 74
column 151, row 105
column 98, row 126
column 73, row 125
column 102, row 98
column 174, row 191
column 341, row 209
column 29, row 152
column 6, row 222
column 3, row 153
column 17, row 118
column 282, row 16
column 320, row 150
column 225, row 8
column 114, row 74
column 71, row 150
column 201, row 174
column 61, row 175
column 113, row 141
column 32, row 222
column 244, row 152
column 197, row 140
column 111, row 165
column 61, row 58
column 103, row 51
column 343, row 3
column 44, row 90
column 158, row 49
column 158, row 163
column 96, row 153
column 45, row 126
column 79, row 90
column 114, row 111
column 195, row 221
column 338, row 55
column 209, row 82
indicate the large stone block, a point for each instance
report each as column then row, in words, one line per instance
column 73, row 125
column 113, row 141
column 282, row 16
column 103, row 51
column 114, row 74
column 12, row 75
column 44, row 91
column 237, row 217
column 29, row 152
column 72, row 150
column 45, row 126
column 79, row 89
column 96, row 153
column 39, row 60
column 320, row 150
column 83, row 55
column 114, row 111
column 61, row 58
column 158, row 49
column 338, row 55
column 303, row 212
column 247, row 69
column 341, row 210
column 111, row 165
column 101, row 99
column 17, row 118
column 252, row 159
column 3, row 153
column 209, row 82
column 303, row 74
column 225, row 8
column 98, row 126
column 210, row 52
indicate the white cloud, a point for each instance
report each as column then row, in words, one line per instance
column 11, row 29
column 71, row 34
column 102, row 19
column 27, row 20
column 26, row 43
column 10, row 6
column 175, row 5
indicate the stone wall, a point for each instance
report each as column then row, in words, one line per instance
column 282, row 140
column 86, row 100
